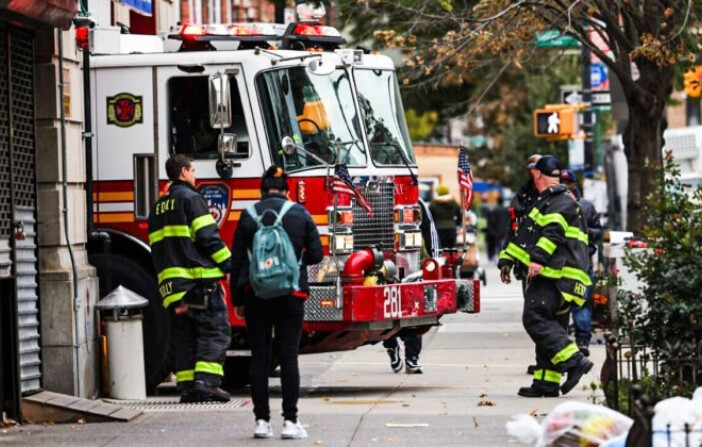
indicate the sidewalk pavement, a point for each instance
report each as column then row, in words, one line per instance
column 473, row 366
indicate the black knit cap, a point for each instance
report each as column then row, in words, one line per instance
column 274, row 178
column 548, row 166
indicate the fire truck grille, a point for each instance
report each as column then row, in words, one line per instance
column 378, row 229
column 321, row 305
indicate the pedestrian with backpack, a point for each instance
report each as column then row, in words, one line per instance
column 274, row 243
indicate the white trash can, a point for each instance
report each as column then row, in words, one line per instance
column 125, row 349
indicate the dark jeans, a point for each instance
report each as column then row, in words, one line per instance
column 285, row 314
column 413, row 345
column 201, row 338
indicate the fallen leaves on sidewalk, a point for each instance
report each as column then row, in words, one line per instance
column 486, row 403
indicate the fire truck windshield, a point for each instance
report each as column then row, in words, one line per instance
column 316, row 111
column 383, row 117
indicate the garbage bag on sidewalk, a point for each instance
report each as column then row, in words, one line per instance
column 670, row 418
column 575, row 424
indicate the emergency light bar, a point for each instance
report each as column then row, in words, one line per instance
column 299, row 36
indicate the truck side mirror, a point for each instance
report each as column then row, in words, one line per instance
column 220, row 101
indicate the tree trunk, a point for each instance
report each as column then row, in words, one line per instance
column 643, row 137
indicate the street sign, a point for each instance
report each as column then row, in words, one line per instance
column 572, row 98
column 554, row 39
column 601, row 99
column 598, row 77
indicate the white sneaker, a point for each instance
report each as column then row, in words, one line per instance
column 292, row 430
column 263, row 429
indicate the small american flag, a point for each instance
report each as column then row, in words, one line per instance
column 465, row 178
column 342, row 183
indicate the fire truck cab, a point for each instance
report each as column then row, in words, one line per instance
column 237, row 99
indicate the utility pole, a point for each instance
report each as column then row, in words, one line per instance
column 587, row 124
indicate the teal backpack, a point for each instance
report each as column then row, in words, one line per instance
column 274, row 270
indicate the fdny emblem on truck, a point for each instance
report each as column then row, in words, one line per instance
column 124, row 110
column 218, row 200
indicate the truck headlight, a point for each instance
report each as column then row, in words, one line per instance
column 409, row 240
column 343, row 243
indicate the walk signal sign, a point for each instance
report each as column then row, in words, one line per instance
column 692, row 81
column 557, row 122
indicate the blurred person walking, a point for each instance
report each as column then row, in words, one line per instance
column 582, row 315
column 447, row 216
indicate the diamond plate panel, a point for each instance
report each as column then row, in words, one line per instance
column 325, row 272
column 315, row 311
column 378, row 229
column 466, row 300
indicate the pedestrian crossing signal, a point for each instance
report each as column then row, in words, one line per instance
column 692, row 81
column 557, row 122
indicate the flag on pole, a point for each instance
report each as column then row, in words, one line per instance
column 465, row 178
column 342, row 183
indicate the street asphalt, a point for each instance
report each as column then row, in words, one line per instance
column 473, row 366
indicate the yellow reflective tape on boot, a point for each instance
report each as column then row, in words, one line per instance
column 546, row 245
column 169, row 231
column 187, row 375
column 190, row 273
column 209, row 368
column 573, row 299
column 221, row 255
column 565, row 354
column 552, row 376
column 201, row 222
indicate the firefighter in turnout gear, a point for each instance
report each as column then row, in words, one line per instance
column 190, row 259
column 551, row 243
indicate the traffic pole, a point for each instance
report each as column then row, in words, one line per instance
column 586, row 126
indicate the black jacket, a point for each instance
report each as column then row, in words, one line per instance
column 185, row 245
column 554, row 234
column 520, row 205
column 301, row 230
column 446, row 213
column 592, row 219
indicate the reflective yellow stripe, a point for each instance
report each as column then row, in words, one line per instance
column 221, row 255
column 576, row 233
column 573, row 298
column 191, row 273
column 185, row 375
column 202, row 221
column 169, row 231
column 546, row 244
column 562, row 356
column 518, row 253
column 548, row 272
column 545, row 219
column 548, row 375
column 209, row 368
column 505, row 255
column 172, row 299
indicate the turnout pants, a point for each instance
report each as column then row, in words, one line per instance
column 201, row 338
column 545, row 318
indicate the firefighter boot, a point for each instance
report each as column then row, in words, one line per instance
column 580, row 367
column 539, row 388
column 186, row 391
column 203, row 392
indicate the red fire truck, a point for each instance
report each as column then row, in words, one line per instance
column 237, row 99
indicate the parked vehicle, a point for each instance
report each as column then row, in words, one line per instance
column 229, row 96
